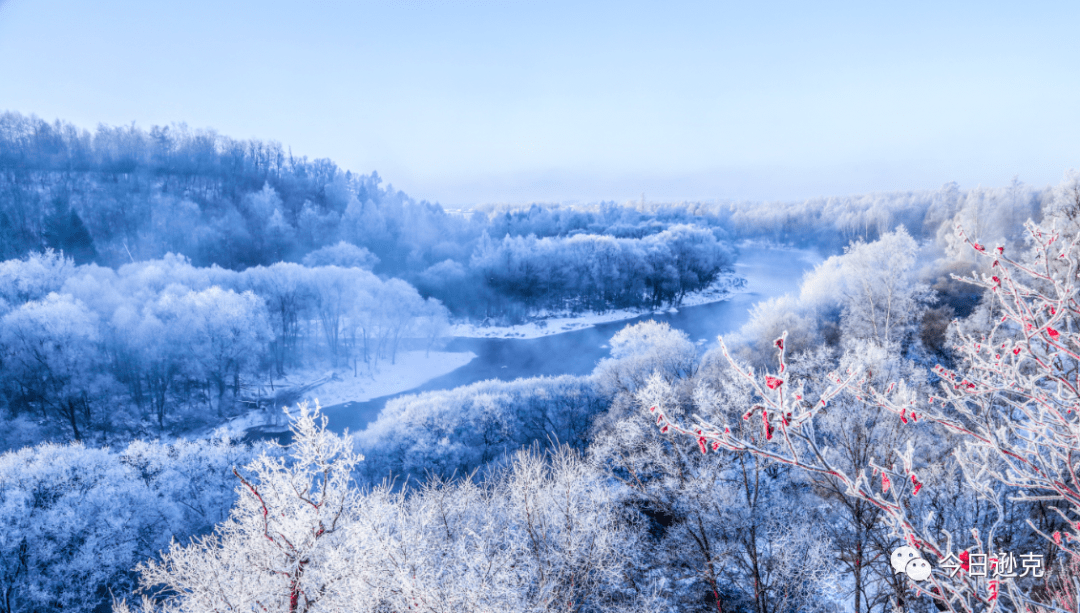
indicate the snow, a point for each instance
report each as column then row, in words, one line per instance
column 236, row 428
column 412, row 369
column 548, row 324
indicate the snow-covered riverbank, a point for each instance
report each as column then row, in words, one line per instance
column 547, row 324
column 412, row 369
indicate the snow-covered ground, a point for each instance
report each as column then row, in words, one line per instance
column 547, row 324
column 413, row 368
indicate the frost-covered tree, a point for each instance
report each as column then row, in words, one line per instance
column 50, row 353
column 809, row 321
column 287, row 291
column 731, row 535
column 335, row 291
column 1010, row 404
column 640, row 350
column 1063, row 204
column 342, row 254
column 276, row 551
column 385, row 313
column 458, row 431
column 169, row 340
column 875, row 285
column 224, row 334
column 544, row 535
column 75, row 520
column 68, row 525
column 32, row 278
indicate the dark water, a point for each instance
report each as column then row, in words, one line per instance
column 769, row 272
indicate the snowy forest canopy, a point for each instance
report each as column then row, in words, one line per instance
column 122, row 194
column 149, row 278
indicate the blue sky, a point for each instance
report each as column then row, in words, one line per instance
column 516, row 101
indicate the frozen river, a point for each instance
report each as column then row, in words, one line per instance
column 769, row 272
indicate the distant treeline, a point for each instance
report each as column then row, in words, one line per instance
column 216, row 200
column 124, row 194
column 831, row 223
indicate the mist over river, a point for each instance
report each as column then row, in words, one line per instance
column 769, row 271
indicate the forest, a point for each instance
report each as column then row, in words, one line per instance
column 917, row 387
column 123, row 195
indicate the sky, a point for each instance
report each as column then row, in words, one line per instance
column 485, row 101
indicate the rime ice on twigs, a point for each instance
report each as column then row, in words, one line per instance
column 1013, row 401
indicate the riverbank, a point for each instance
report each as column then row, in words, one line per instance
column 770, row 271
column 412, row 369
column 547, row 324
